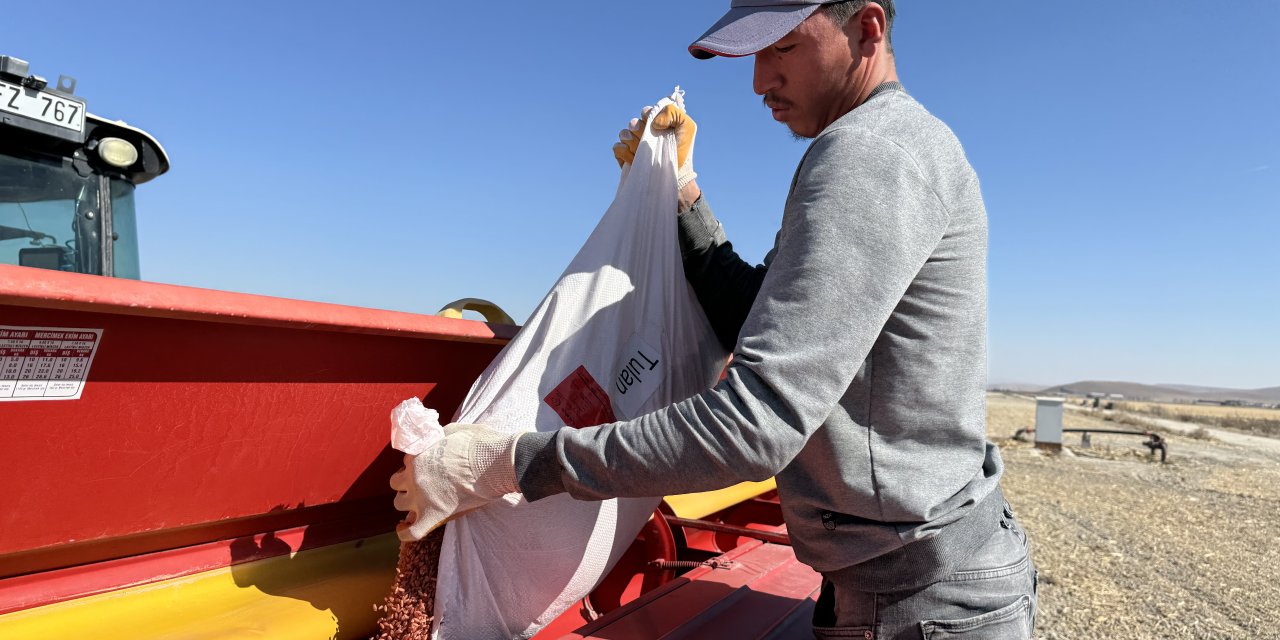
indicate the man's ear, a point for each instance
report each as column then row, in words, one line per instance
column 867, row 29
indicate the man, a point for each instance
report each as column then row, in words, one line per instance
column 859, row 354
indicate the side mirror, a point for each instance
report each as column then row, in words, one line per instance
column 42, row 257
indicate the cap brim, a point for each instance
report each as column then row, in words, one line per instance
column 745, row 30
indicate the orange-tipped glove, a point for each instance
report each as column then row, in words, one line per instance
column 670, row 118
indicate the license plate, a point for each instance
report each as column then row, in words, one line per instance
column 42, row 106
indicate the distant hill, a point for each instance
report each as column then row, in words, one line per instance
column 1167, row 392
column 1190, row 388
column 1016, row 387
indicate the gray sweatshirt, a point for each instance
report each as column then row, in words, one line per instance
column 859, row 363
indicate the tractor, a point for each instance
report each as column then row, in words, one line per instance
column 191, row 463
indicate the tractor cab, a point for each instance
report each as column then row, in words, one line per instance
column 67, row 178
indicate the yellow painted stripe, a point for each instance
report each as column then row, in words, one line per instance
column 327, row 592
column 701, row 505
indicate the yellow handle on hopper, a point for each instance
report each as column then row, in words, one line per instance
column 491, row 312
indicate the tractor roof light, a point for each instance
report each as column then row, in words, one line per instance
column 12, row 68
column 117, row 152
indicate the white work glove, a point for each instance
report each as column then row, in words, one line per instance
column 472, row 466
column 671, row 118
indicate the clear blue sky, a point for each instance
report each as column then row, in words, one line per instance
column 403, row 154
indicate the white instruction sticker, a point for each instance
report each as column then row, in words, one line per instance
column 637, row 375
column 45, row 363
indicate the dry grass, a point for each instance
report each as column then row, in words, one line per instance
column 1248, row 419
column 1204, row 410
column 1128, row 548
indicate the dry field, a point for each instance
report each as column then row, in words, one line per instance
column 1203, row 410
column 1130, row 548
column 1248, row 419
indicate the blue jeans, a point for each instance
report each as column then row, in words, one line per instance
column 992, row 596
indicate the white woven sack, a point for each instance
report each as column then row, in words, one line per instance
column 622, row 313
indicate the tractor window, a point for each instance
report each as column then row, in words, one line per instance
column 124, row 223
column 48, row 215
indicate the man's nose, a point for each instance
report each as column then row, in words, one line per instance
column 766, row 77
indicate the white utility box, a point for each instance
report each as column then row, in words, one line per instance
column 1049, row 423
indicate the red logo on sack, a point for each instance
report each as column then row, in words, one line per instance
column 580, row 401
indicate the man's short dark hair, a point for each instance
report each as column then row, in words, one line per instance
column 841, row 12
